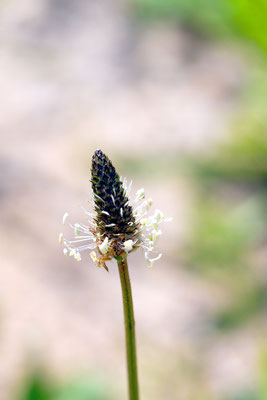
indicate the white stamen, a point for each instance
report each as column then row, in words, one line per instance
column 143, row 221
column 98, row 197
column 85, row 239
column 105, row 212
column 151, row 260
column 128, row 245
column 169, row 219
column 156, row 233
column 87, row 212
column 140, row 194
column 60, row 238
column 145, row 233
column 86, row 247
column 65, row 216
column 77, row 256
column 104, row 246
column 93, row 256
column 158, row 215
column 128, row 190
column 77, row 229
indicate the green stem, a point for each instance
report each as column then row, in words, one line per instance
column 129, row 327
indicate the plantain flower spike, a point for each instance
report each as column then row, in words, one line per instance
column 116, row 227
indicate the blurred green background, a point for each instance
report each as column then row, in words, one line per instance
column 175, row 93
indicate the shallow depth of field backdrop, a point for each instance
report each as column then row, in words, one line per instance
column 174, row 92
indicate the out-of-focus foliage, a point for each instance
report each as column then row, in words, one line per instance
column 222, row 238
column 210, row 15
column 154, row 166
column 246, row 306
column 260, row 393
column 230, row 224
column 248, row 19
column 236, row 177
column 244, row 18
column 245, row 396
column 243, row 159
column 37, row 386
column 82, row 389
column 263, row 374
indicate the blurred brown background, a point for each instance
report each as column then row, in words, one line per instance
column 174, row 93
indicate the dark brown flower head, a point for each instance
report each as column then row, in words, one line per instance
column 115, row 228
column 114, row 215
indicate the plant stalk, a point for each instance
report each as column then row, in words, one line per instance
column 129, row 328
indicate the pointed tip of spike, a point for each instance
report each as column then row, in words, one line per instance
column 98, row 153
